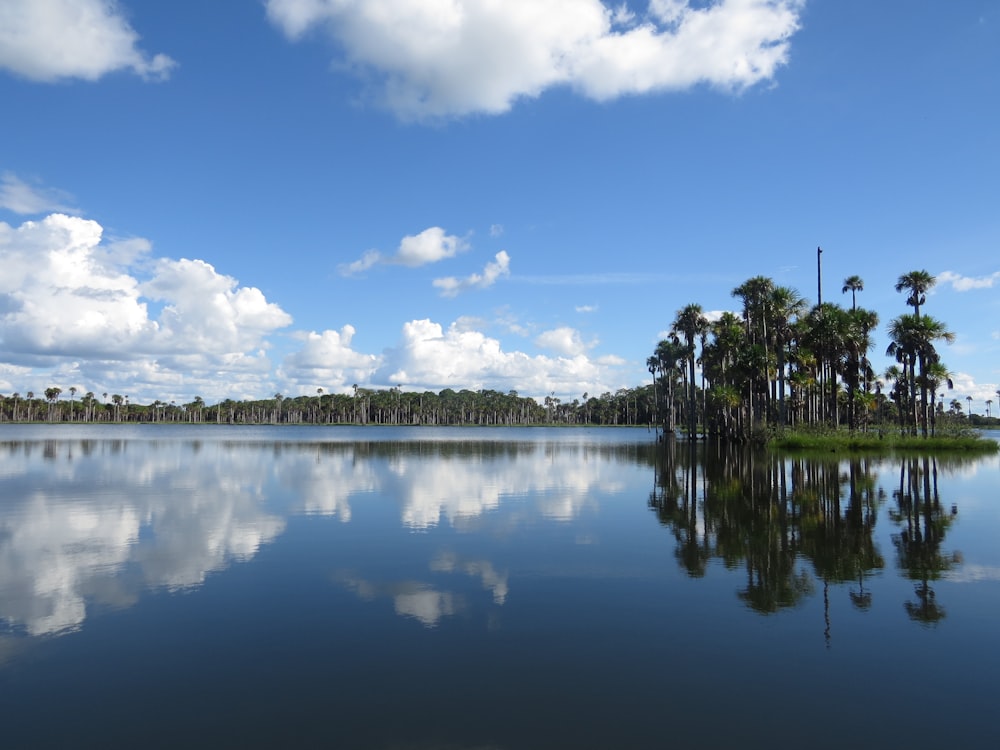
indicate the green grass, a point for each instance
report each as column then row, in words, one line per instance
column 962, row 441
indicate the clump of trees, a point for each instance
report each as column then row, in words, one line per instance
column 783, row 363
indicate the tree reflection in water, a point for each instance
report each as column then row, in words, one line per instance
column 923, row 523
column 797, row 523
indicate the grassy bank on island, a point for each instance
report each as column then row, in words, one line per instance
column 962, row 441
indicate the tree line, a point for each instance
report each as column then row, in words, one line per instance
column 783, row 363
column 363, row 406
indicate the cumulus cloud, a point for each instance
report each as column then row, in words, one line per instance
column 566, row 341
column 966, row 385
column 65, row 295
column 327, row 359
column 18, row 196
column 430, row 246
column 500, row 267
column 433, row 358
column 50, row 40
column 966, row 283
column 456, row 57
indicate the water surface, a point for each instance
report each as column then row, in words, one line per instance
column 488, row 588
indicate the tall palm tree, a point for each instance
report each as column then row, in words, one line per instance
column 719, row 360
column 667, row 355
column 52, row 395
column 785, row 306
column 853, row 284
column 937, row 376
column 691, row 322
column 913, row 338
column 917, row 284
column 756, row 296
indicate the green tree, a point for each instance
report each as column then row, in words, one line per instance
column 916, row 284
column 691, row 322
column 853, row 284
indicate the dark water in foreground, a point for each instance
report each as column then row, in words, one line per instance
column 462, row 588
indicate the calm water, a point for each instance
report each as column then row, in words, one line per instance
column 462, row 588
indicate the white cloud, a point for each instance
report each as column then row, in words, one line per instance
column 965, row 283
column 430, row 246
column 586, row 308
column 455, row 57
column 22, row 198
column 49, row 40
column 327, row 360
column 566, row 341
column 67, row 297
column 450, row 286
column 966, row 385
column 496, row 230
column 368, row 259
column 430, row 357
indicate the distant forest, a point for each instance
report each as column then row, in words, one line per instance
column 364, row 406
column 781, row 364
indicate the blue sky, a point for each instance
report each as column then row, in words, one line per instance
column 234, row 199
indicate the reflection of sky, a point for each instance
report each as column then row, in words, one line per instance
column 442, row 487
column 422, row 600
column 74, row 518
column 96, row 521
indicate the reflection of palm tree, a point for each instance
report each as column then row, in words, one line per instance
column 861, row 599
column 926, row 609
column 918, row 544
column 765, row 514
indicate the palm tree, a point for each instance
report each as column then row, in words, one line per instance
column 989, row 403
column 917, row 283
column 785, row 306
column 969, row 399
column 913, row 339
column 937, row 375
column 667, row 355
column 691, row 322
column 853, row 284
column 756, row 295
column 51, row 395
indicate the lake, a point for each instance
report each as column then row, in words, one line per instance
column 464, row 588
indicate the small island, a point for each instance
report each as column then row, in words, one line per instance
column 791, row 375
